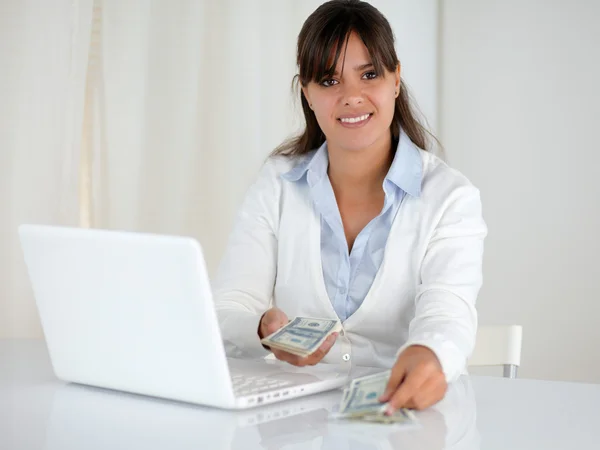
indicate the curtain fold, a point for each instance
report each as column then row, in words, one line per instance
column 43, row 65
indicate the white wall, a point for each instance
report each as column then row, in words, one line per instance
column 519, row 115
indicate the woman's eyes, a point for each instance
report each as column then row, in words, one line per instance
column 328, row 82
column 371, row 75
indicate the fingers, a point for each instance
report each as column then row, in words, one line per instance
column 407, row 389
column 279, row 317
column 272, row 327
column 425, row 391
column 320, row 353
column 309, row 360
column 290, row 358
column 396, row 377
column 272, row 321
column 275, row 319
column 420, row 389
column 431, row 392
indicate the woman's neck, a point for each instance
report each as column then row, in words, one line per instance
column 360, row 172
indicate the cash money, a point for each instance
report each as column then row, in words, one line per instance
column 302, row 336
column 360, row 401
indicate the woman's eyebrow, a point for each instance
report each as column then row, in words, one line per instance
column 363, row 67
column 358, row 68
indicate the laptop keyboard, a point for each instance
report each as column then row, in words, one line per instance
column 248, row 385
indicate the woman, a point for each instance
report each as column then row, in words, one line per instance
column 354, row 219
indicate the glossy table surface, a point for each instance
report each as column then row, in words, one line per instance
column 37, row 411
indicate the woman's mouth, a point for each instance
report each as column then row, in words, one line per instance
column 355, row 121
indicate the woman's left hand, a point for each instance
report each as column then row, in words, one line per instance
column 417, row 380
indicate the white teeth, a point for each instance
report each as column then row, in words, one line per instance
column 355, row 119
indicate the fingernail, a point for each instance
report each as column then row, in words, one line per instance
column 390, row 410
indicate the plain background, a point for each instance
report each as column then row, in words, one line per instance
column 519, row 114
column 511, row 90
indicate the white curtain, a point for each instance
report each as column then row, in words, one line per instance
column 152, row 115
column 185, row 101
column 43, row 60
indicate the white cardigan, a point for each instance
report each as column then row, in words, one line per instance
column 424, row 292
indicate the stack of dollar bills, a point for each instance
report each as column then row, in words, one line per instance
column 360, row 401
column 302, row 335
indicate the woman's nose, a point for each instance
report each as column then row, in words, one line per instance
column 352, row 95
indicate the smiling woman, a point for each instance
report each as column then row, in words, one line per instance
column 355, row 220
column 361, row 38
column 356, row 98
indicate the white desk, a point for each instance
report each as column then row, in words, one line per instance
column 39, row 412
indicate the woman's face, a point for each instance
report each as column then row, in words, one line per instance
column 355, row 107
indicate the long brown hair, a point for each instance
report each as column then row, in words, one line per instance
column 328, row 26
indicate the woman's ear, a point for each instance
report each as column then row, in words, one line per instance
column 398, row 79
column 305, row 92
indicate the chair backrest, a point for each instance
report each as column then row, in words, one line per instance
column 497, row 345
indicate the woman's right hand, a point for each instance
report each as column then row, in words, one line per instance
column 272, row 320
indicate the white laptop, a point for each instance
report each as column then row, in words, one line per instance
column 134, row 312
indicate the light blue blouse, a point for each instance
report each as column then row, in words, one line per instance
column 348, row 275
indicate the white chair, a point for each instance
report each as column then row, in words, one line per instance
column 498, row 346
